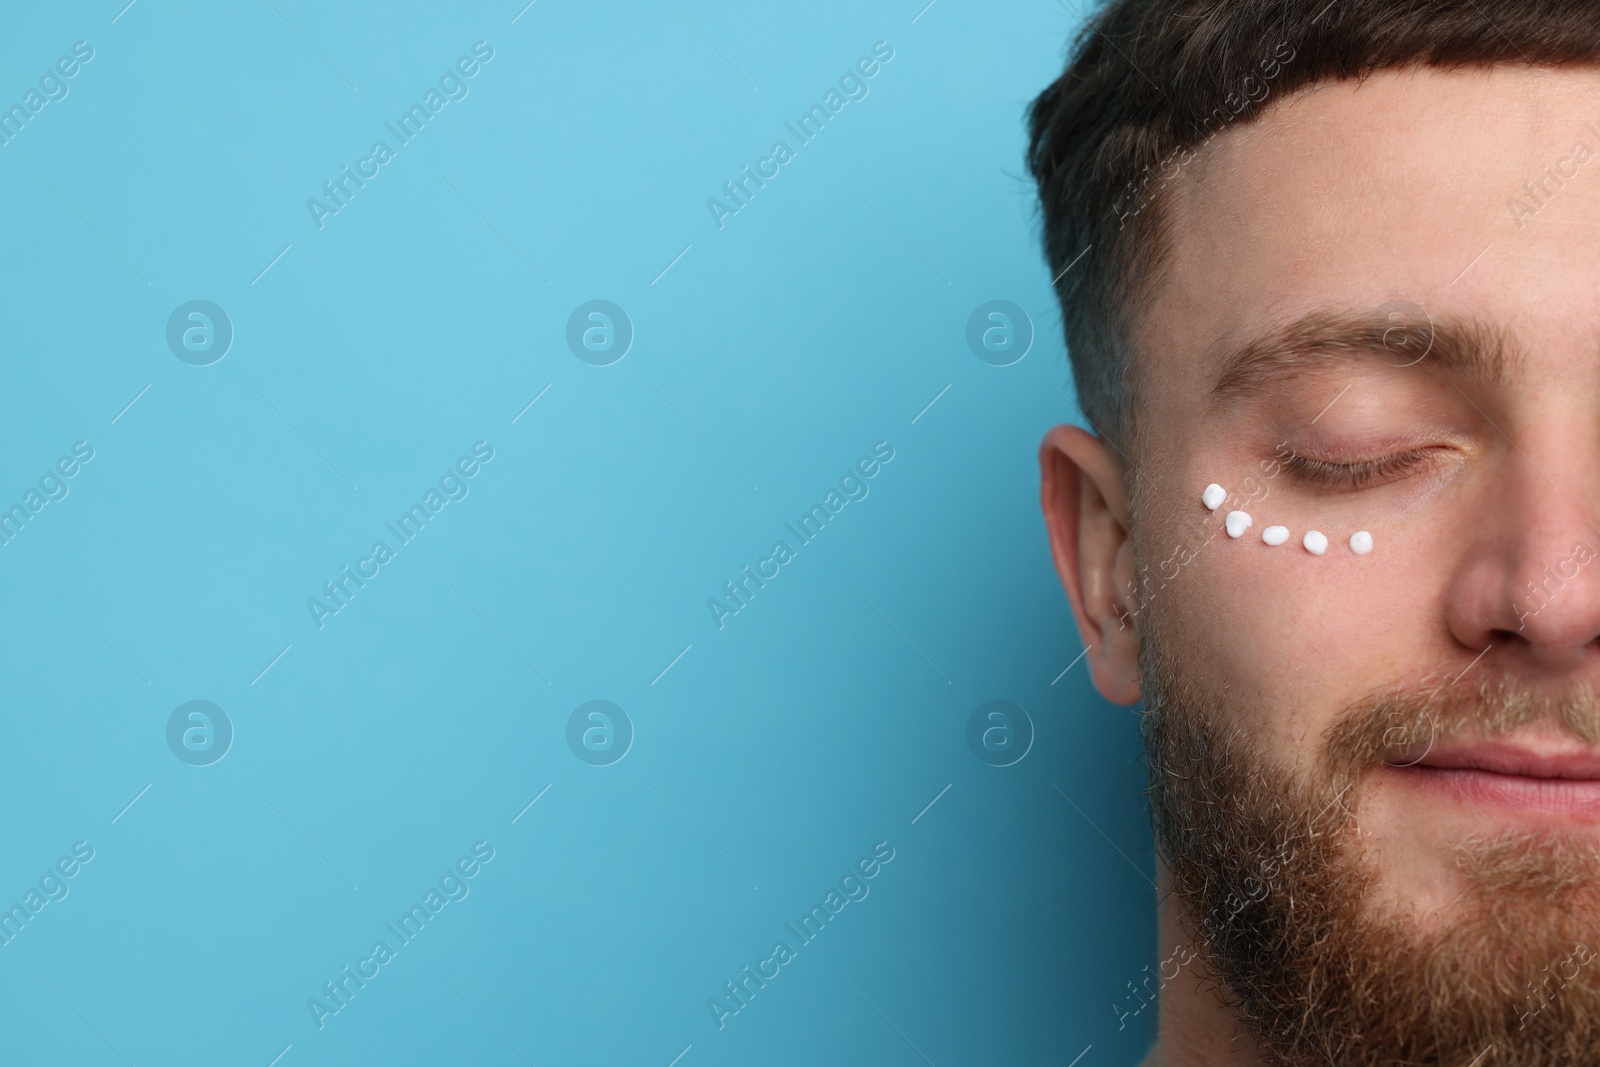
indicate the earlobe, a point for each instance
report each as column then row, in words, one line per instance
column 1085, row 501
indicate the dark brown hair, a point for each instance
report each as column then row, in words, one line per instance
column 1148, row 81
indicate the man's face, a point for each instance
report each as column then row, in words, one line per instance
column 1440, row 688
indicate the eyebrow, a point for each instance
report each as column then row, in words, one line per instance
column 1468, row 348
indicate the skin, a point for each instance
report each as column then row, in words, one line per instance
column 1344, row 197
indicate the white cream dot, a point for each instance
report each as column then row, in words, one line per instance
column 1316, row 542
column 1275, row 535
column 1237, row 522
column 1361, row 542
column 1213, row 496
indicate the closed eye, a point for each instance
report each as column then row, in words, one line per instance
column 1329, row 474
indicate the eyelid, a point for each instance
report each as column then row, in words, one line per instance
column 1361, row 474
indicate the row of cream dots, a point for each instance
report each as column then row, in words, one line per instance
column 1315, row 541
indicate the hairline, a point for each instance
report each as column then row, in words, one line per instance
column 1148, row 252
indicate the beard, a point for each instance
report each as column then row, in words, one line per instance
column 1284, row 906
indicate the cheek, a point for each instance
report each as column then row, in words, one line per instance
column 1283, row 639
column 1374, row 618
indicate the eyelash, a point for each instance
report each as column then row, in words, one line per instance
column 1356, row 475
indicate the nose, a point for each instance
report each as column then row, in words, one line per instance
column 1532, row 584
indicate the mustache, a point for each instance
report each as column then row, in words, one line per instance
column 1278, row 894
column 1400, row 723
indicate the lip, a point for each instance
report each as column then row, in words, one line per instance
column 1500, row 757
column 1511, row 778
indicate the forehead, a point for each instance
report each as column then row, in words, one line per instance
column 1350, row 195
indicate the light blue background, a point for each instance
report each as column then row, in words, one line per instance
column 774, row 352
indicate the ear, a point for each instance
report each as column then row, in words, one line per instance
column 1085, row 503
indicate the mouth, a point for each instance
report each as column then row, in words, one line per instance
column 1561, row 782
